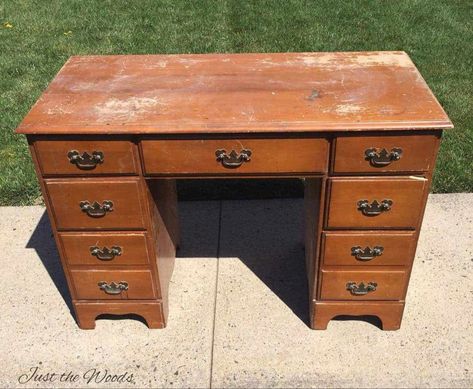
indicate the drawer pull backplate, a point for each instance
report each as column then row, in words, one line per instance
column 234, row 159
column 95, row 209
column 85, row 161
column 366, row 254
column 106, row 254
column 361, row 289
column 113, row 287
column 375, row 208
column 382, row 158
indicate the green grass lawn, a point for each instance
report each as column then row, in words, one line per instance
column 37, row 37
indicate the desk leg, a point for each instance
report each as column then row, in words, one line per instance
column 389, row 313
column 150, row 311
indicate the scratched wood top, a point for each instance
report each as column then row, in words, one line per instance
column 220, row 93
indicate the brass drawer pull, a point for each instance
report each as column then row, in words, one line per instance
column 113, row 287
column 383, row 157
column 85, row 161
column 366, row 254
column 95, row 209
column 106, row 254
column 361, row 289
column 234, row 159
column 375, row 208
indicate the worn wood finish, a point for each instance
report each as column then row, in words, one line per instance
column 140, row 285
column 309, row 115
column 390, row 313
column 397, row 248
column 189, row 157
column 150, row 311
column 406, row 194
column 222, row 93
column 118, row 157
column 391, row 284
column 77, row 248
column 126, row 195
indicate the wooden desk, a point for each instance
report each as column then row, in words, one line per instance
column 111, row 134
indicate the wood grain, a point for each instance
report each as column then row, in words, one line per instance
column 417, row 153
column 188, row 157
column 140, row 285
column 314, row 203
column 231, row 93
column 87, row 312
column 119, row 156
column 391, row 284
column 389, row 312
column 77, row 248
column 398, row 248
column 405, row 192
column 162, row 197
column 125, row 193
column 162, row 117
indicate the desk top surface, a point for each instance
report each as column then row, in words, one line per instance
column 235, row 93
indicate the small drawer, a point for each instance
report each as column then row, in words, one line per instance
column 375, row 202
column 77, row 157
column 235, row 156
column 92, row 203
column 368, row 248
column 363, row 285
column 384, row 154
column 116, row 285
column 104, row 249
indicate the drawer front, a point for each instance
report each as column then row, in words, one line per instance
column 376, row 202
column 104, row 249
column 383, row 154
column 363, row 285
column 235, row 156
column 86, row 157
column 368, row 248
column 113, row 285
column 97, row 203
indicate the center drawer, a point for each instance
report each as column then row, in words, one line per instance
column 235, row 156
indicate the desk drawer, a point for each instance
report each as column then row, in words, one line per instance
column 376, row 202
column 363, row 285
column 235, row 156
column 104, row 249
column 110, row 285
column 383, row 154
column 92, row 203
column 90, row 157
column 368, row 248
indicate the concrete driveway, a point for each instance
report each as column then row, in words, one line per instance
column 238, row 313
